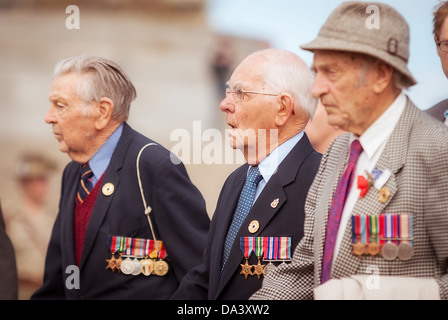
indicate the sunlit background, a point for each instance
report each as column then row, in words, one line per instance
column 178, row 54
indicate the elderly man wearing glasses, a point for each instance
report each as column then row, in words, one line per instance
column 440, row 110
column 259, row 216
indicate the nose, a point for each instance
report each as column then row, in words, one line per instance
column 50, row 116
column 320, row 87
column 227, row 104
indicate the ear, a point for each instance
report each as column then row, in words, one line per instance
column 285, row 109
column 437, row 47
column 383, row 77
column 105, row 109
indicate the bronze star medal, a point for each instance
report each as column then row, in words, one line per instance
column 246, row 269
column 111, row 263
column 258, row 269
column 358, row 248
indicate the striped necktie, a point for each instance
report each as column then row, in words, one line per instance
column 85, row 185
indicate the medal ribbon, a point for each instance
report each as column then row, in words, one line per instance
column 246, row 246
column 285, row 248
column 373, row 224
column 269, row 248
column 356, row 228
column 137, row 247
column 258, row 246
column 406, row 227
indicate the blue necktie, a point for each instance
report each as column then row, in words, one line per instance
column 245, row 202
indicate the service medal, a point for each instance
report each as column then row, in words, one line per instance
column 246, row 269
column 246, row 246
column 258, row 249
column 137, row 267
column 160, row 268
column 268, row 268
column 127, row 266
column 389, row 251
column 147, row 266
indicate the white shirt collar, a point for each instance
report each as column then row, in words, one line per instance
column 379, row 132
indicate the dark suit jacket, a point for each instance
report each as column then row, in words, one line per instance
column 8, row 269
column 178, row 215
column 290, row 184
column 438, row 110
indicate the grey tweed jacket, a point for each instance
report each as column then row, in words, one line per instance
column 417, row 156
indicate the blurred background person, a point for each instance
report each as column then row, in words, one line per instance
column 30, row 218
column 8, row 270
column 440, row 110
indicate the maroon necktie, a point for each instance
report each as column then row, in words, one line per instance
column 337, row 206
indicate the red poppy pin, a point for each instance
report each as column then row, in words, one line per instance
column 364, row 184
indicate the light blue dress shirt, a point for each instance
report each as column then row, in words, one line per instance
column 100, row 160
column 269, row 165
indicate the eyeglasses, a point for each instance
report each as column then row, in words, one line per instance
column 239, row 93
column 443, row 45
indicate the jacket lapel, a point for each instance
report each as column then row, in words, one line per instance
column 228, row 206
column 336, row 169
column 102, row 202
column 393, row 158
column 69, row 206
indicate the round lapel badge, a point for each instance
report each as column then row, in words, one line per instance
column 253, row 226
column 384, row 195
column 108, row 189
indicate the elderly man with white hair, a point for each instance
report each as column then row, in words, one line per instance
column 131, row 223
column 260, row 212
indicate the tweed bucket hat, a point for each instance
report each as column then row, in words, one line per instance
column 349, row 28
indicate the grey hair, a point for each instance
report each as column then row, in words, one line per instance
column 105, row 79
column 284, row 71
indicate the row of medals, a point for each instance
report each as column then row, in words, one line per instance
column 389, row 251
column 259, row 269
column 134, row 266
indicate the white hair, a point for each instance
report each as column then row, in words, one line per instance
column 284, row 71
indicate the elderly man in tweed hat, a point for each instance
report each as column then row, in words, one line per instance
column 376, row 214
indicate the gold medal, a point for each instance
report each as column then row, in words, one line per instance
column 160, row 268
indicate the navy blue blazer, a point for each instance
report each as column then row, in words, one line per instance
column 178, row 215
column 8, row 269
column 290, row 185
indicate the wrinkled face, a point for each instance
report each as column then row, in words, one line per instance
column 343, row 90
column 73, row 121
column 443, row 55
column 250, row 116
